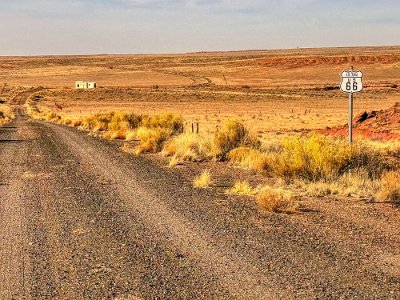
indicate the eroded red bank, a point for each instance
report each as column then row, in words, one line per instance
column 380, row 125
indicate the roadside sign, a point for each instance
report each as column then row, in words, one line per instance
column 351, row 82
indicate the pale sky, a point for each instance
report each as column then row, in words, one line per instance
column 32, row 27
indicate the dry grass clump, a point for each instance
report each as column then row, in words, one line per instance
column 232, row 135
column 318, row 157
column 276, row 200
column 242, row 188
column 195, row 147
column 171, row 121
column 356, row 183
column 6, row 114
column 188, row 147
column 390, row 188
column 203, row 180
column 130, row 135
column 152, row 131
column 112, row 125
column 174, row 161
column 248, row 158
column 127, row 148
column 151, row 140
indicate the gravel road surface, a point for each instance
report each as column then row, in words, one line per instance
column 80, row 219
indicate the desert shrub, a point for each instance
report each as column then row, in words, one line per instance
column 232, row 135
column 66, row 121
column 52, row 117
column 317, row 157
column 76, row 122
column 203, row 181
column 356, row 183
column 115, row 134
column 151, row 140
column 6, row 114
column 126, row 147
column 276, row 200
column 134, row 120
column 119, row 121
column 242, row 188
column 189, row 147
column 171, row 121
column 248, row 158
column 113, row 121
column 174, row 161
column 130, row 135
column 390, row 188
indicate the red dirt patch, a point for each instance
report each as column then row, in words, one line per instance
column 304, row 61
column 380, row 125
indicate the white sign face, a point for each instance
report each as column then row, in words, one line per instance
column 351, row 81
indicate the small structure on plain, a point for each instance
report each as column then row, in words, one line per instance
column 85, row 85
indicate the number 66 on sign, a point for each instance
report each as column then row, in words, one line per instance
column 351, row 81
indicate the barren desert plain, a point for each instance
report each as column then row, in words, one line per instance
column 200, row 176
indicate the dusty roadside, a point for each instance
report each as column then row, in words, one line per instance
column 82, row 220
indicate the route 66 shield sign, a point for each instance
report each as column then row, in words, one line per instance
column 351, row 81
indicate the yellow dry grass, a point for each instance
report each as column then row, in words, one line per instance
column 249, row 158
column 390, row 188
column 276, row 200
column 242, row 188
column 6, row 114
column 204, row 180
column 189, row 147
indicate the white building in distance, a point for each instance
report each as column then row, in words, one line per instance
column 85, row 85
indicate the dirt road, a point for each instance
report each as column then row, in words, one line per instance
column 81, row 220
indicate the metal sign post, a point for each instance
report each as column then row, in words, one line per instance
column 351, row 83
column 350, row 118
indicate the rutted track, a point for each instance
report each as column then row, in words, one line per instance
column 81, row 220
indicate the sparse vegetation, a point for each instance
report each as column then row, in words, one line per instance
column 316, row 157
column 390, row 188
column 6, row 114
column 242, row 188
column 320, row 166
column 232, row 135
column 152, row 139
column 203, row 180
column 276, row 200
column 356, row 184
column 152, row 131
column 248, row 158
column 308, row 164
column 189, row 147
